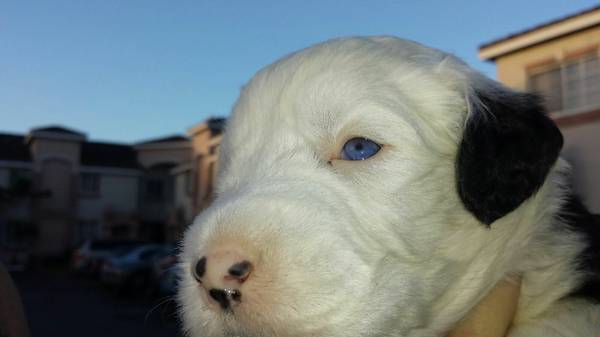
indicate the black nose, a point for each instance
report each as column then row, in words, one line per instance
column 199, row 268
column 221, row 297
column 225, row 296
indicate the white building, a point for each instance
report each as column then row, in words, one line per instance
column 57, row 188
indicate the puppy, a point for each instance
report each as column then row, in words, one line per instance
column 376, row 187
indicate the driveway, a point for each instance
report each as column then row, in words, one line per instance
column 58, row 303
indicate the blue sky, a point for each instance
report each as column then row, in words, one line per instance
column 127, row 70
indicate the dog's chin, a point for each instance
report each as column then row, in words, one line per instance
column 260, row 314
column 240, row 324
column 280, row 310
column 324, row 313
column 267, row 308
column 242, row 321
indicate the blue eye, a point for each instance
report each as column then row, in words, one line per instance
column 359, row 149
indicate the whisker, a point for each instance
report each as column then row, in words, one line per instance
column 161, row 302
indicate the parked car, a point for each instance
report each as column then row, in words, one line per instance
column 88, row 258
column 132, row 269
column 165, row 273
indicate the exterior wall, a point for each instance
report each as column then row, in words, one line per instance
column 53, row 240
column 512, row 69
column 118, row 192
column 194, row 181
column 183, row 195
column 56, row 169
column 116, row 202
column 57, row 178
column 582, row 150
column 54, row 213
column 42, row 149
column 153, row 154
column 4, row 177
column 150, row 197
column 15, row 215
column 158, row 159
column 182, row 212
column 205, row 165
column 156, row 210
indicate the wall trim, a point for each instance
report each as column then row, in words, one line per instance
column 16, row 164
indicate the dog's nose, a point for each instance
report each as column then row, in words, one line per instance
column 225, row 297
column 221, row 267
column 222, row 273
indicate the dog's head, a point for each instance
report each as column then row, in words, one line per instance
column 366, row 188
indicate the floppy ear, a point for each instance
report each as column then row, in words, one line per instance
column 509, row 145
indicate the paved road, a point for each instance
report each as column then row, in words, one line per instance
column 59, row 304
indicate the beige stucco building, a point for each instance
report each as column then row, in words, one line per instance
column 57, row 188
column 194, row 180
column 561, row 60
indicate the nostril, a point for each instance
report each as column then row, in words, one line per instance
column 240, row 270
column 235, row 295
column 199, row 268
column 220, row 296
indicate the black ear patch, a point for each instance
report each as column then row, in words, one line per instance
column 509, row 144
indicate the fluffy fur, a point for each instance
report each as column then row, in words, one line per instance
column 400, row 244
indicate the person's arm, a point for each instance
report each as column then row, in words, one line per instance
column 12, row 316
column 493, row 316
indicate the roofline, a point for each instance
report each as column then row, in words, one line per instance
column 202, row 127
column 9, row 133
column 79, row 137
column 542, row 33
column 164, row 139
column 110, row 170
column 60, row 129
column 163, row 145
column 181, row 168
column 198, row 128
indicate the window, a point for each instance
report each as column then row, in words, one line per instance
column 582, row 83
column 154, row 189
column 19, row 182
column 572, row 86
column 89, row 183
column 16, row 234
column 188, row 182
column 17, row 176
column 548, row 84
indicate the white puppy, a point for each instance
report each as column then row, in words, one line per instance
column 377, row 187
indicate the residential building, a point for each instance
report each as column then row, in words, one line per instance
column 57, row 188
column 561, row 61
column 194, row 180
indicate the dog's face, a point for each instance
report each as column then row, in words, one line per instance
column 346, row 202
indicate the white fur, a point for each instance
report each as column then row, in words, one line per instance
column 381, row 247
